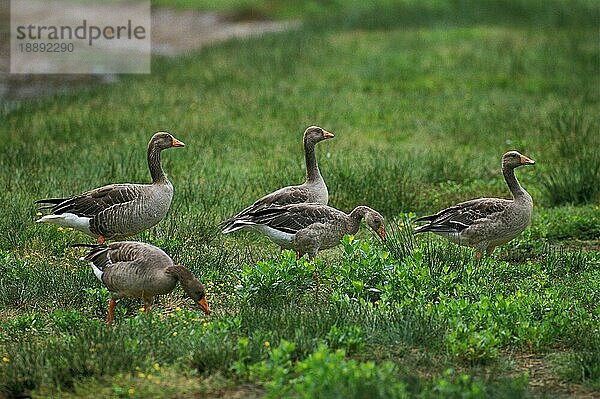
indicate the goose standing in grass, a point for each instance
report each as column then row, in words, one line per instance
column 117, row 211
column 312, row 190
column 139, row 270
column 485, row 223
column 309, row 228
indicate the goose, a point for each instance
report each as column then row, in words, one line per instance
column 309, row 228
column 117, row 211
column 139, row 270
column 312, row 190
column 485, row 223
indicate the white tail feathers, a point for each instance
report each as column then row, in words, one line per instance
column 238, row 225
column 80, row 223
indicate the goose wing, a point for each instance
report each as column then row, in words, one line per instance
column 461, row 216
column 98, row 256
column 102, row 255
column 93, row 202
column 284, row 196
column 292, row 218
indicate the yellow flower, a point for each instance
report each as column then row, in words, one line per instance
column 39, row 214
column 141, row 375
column 156, row 366
column 60, row 229
column 131, row 391
column 5, row 359
column 174, row 333
column 70, row 229
column 267, row 344
column 178, row 309
column 205, row 324
column 142, row 310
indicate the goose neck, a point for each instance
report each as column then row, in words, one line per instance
column 181, row 272
column 312, row 169
column 354, row 219
column 156, row 171
column 513, row 184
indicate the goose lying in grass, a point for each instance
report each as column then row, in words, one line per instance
column 138, row 270
column 118, row 210
column 309, row 228
column 312, row 190
column 485, row 223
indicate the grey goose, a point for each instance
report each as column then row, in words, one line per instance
column 313, row 189
column 485, row 223
column 117, row 211
column 309, row 228
column 139, row 270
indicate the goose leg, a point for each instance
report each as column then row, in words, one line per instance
column 147, row 305
column 316, row 276
column 101, row 240
column 111, row 311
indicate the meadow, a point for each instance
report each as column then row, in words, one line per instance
column 423, row 98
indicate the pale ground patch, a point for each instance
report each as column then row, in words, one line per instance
column 543, row 380
column 174, row 33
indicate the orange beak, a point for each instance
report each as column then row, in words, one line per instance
column 526, row 161
column 177, row 143
column 328, row 135
column 381, row 233
column 203, row 303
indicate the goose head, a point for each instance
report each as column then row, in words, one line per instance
column 514, row 159
column 195, row 290
column 374, row 220
column 314, row 134
column 164, row 140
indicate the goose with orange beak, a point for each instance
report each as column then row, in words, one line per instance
column 485, row 223
column 313, row 189
column 309, row 228
column 117, row 211
column 139, row 270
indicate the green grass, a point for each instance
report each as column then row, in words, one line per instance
column 423, row 98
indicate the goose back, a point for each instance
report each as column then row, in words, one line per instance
column 132, row 269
